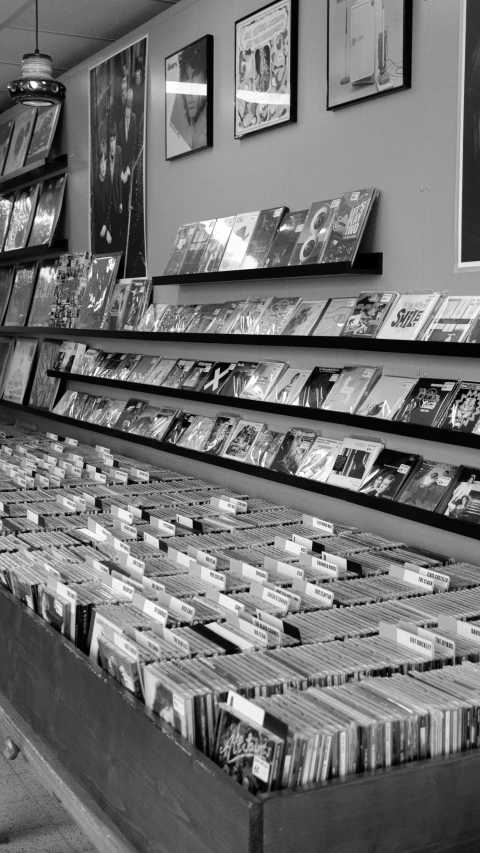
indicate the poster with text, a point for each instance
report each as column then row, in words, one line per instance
column 189, row 99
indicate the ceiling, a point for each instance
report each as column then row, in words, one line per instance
column 69, row 30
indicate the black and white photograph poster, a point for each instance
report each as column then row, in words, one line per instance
column 369, row 49
column 266, row 43
column 468, row 226
column 117, row 156
column 189, row 99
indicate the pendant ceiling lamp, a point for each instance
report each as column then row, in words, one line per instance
column 36, row 87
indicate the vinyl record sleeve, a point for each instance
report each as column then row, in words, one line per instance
column 65, row 404
column 462, row 414
column 262, row 237
column 186, row 316
column 145, row 420
column 318, row 386
column 197, row 247
column 91, row 359
column 289, row 387
column 43, row 295
column 229, row 314
column 305, row 318
column 409, row 316
column 19, row 370
column 7, row 346
column 196, row 435
column 44, row 388
column 161, row 423
column 126, row 367
column 238, row 743
column 277, row 315
column 263, row 380
column 85, row 410
column 426, row 402
column 238, row 379
column 169, row 319
column 265, row 448
column 292, row 450
column 386, row 397
column 6, row 281
column 179, row 426
column 348, row 226
column 222, row 429
column 6, row 130
column 462, row 500
column 65, row 356
column 102, row 275
column 205, row 318
column 220, row 373
column 428, row 485
column 21, row 295
column 160, row 371
column 112, row 412
column 21, row 218
column 145, row 366
column 72, row 275
column 43, row 133
column 320, row 459
column 151, row 318
column 239, row 239
column 351, row 388
column 248, row 319
column 455, row 319
column 129, row 415
column 312, row 240
column 6, row 208
column 389, row 473
column 178, row 373
column 94, row 412
column 179, row 250
column 369, row 314
column 284, row 241
column 198, row 375
column 220, row 236
column 242, row 440
column 353, row 463
column 20, row 140
column 128, row 303
column 335, row 316
column 48, row 211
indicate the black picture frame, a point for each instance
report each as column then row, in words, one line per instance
column 279, row 49
column 369, row 52
column 189, row 126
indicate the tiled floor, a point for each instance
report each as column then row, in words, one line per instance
column 31, row 819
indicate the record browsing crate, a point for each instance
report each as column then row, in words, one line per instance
column 164, row 796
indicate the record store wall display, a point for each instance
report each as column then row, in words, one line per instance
column 189, row 99
column 369, row 49
column 117, row 157
column 266, row 68
column 468, row 232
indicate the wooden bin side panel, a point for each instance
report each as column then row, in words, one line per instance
column 164, row 795
column 429, row 805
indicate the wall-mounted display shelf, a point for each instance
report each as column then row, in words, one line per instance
column 367, row 264
column 33, row 253
column 45, row 168
column 462, row 439
column 422, row 516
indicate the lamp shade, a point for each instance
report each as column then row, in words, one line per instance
column 36, row 87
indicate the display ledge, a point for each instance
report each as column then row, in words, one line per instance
column 33, row 253
column 44, row 168
column 367, row 264
column 164, row 796
column 453, row 350
column 422, row 516
column 444, row 436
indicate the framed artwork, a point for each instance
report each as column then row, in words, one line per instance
column 468, row 216
column 189, row 99
column 369, row 49
column 117, row 157
column 43, row 133
column 21, row 136
column 266, row 45
column 6, row 130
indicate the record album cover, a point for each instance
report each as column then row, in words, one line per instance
column 277, row 315
column 21, row 295
column 181, row 243
column 218, row 377
column 178, row 426
column 292, row 450
column 7, row 346
column 160, row 371
column 285, row 238
column 6, row 130
column 197, row 247
column 227, row 317
column 44, row 388
column 426, row 402
column 455, row 319
column 102, row 275
column 6, row 281
column 312, row 240
column 248, row 319
column 72, row 275
column 389, row 473
column 6, row 208
column 213, row 254
column 43, row 295
column 222, row 429
column 238, row 241
column 262, row 237
column 150, row 320
column 263, row 380
column 428, row 485
column 145, row 420
column 198, row 375
column 353, row 463
column 129, row 415
column 317, row 388
column 369, row 313
column 320, row 459
column 386, row 397
column 169, row 319
column 351, row 387
column 409, row 316
column 178, row 373
column 462, row 500
column 462, row 414
column 128, row 302
column 242, row 440
column 204, row 318
column 20, row 140
column 19, row 370
column 43, row 133
column 265, row 448
column 305, row 318
column 162, row 421
column 289, row 387
column 335, row 316
column 143, row 368
column 196, row 435
column 348, row 226
column 48, row 211
column 247, row 752
column 21, row 218
column 237, row 380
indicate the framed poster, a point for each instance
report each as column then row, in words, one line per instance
column 117, row 156
column 468, row 218
column 266, row 68
column 189, row 99
column 369, row 49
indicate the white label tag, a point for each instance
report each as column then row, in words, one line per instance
column 406, row 638
column 318, row 524
column 410, row 577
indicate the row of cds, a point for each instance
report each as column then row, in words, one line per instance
column 327, row 232
column 233, row 618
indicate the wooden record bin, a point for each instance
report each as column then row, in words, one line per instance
column 164, row 796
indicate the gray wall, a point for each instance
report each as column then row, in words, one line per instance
column 404, row 144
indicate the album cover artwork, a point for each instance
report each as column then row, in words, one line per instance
column 179, row 250
column 102, row 275
column 43, row 295
column 220, row 236
column 262, row 237
column 91, row 360
column 44, row 388
column 455, row 319
column 88, row 407
column 112, row 412
column 21, row 218
column 386, row 397
column 126, row 367
column 312, row 240
column 95, row 409
column 369, row 313
column 248, row 320
column 265, row 448
column 178, row 426
column 335, row 316
column 21, row 295
column 222, row 429
column 237, row 380
column 196, row 435
column 289, row 387
column 160, row 371
column 284, row 241
column 305, row 318
column 198, row 375
column 462, row 414
column 238, row 241
column 109, row 365
column 462, row 500
column 205, row 318
column 389, row 473
column 6, row 281
column 277, row 315
column 161, row 423
column 129, row 415
column 228, row 316
column 72, row 275
column 66, row 403
column 292, row 450
column 318, row 386
column 65, row 356
column 242, row 440
column 178, row 373
column 263, row 380
column 197, row 247
column 348, row 226
column 354, row 461
column 169, row 319
column 6, row 130
column 186, row 317
column 218, row 377
column 127, row 305
column 20, row 140
column 409, row 316
column 238, row 743
column 43, row 133
column 426, row 402
column 6, row 208
column 428, row 485
column 145, row 420
column 149, row 322
column 48, row 211
column 351, row 387
column 19, row 370
column 320, row 459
